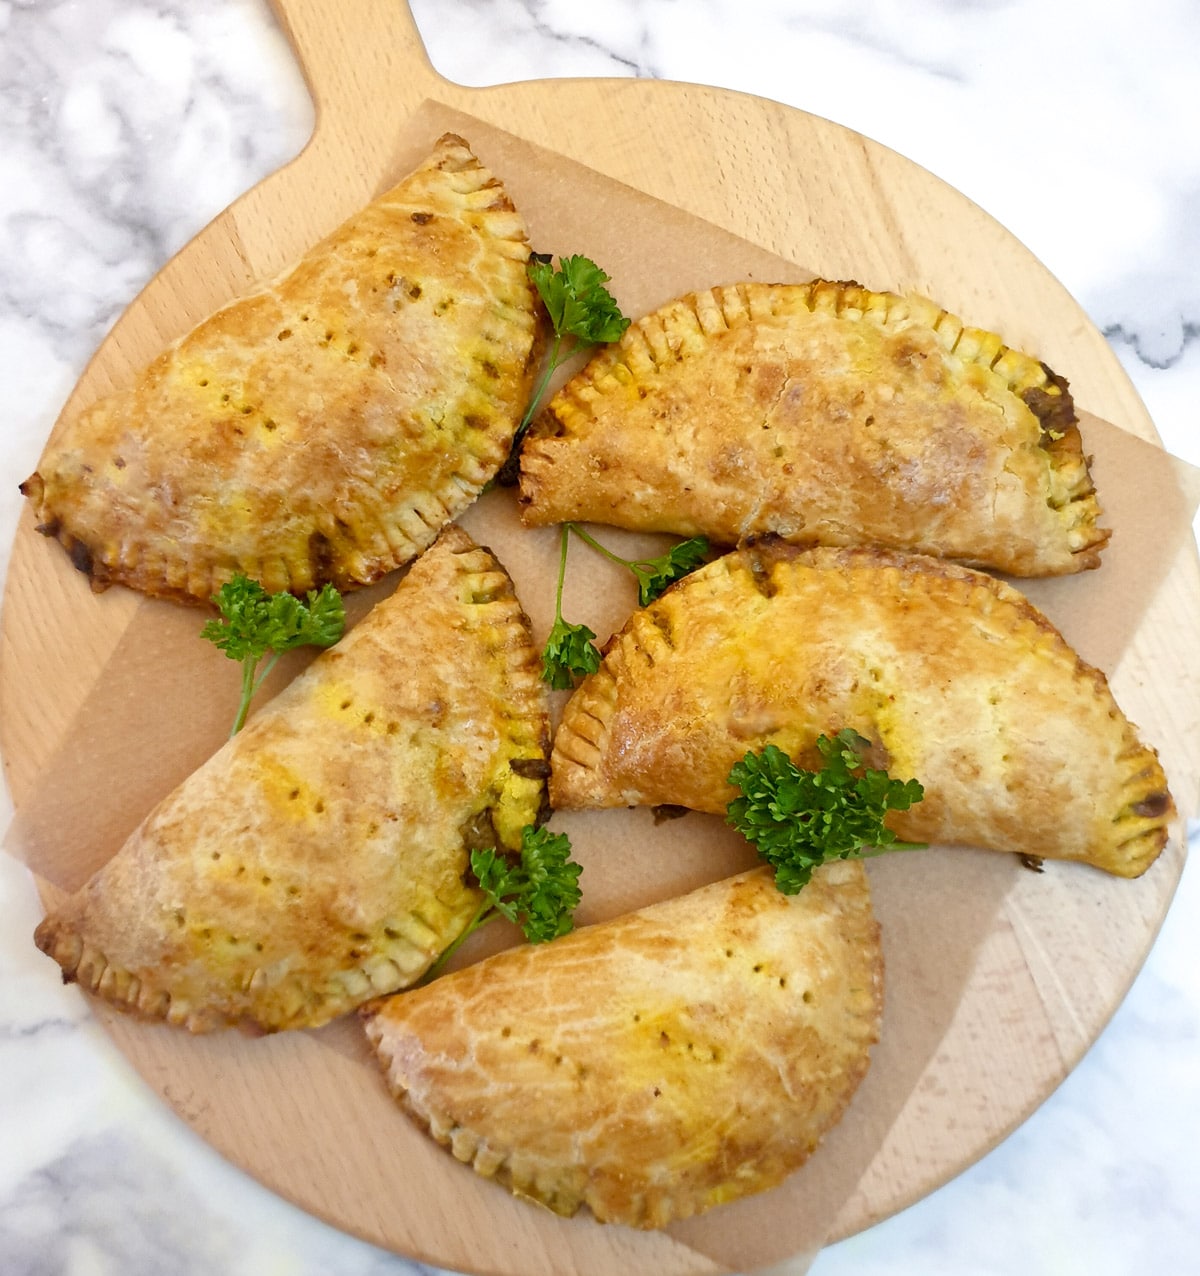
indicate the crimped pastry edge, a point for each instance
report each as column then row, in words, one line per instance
column 404, row 530
column 59, row 936
column 648, row 342
column 529, row 1178
column 583, row 735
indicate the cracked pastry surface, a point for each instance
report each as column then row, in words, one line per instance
column 830, row 415
column 317, row 859
column 325, row 427
column 656, row 1065
column 953, row 676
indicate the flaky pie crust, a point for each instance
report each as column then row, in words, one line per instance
column 827, row 414
column 953, row 676
column 318, row 858
column 324, row 428
column 653, row 1066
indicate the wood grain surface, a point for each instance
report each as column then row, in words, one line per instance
column 1049, row 958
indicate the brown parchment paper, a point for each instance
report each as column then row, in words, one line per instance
column 165, row 699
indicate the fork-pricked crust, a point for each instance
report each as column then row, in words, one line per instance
column 953, row 676
column 829, row 415
column 318, row 858
column 324, row 428
column 653, row 1066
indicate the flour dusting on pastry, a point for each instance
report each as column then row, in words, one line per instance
column 954, row 677
column 829, row 415
column 324, row 428
column 320, row 857
column 656, row 1065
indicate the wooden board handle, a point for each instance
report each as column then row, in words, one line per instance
column 372, row 63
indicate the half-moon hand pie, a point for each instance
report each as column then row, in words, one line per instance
column 829, row 415
column 325, row 427
column 953, row 676
column 318, row 858
column 656, row 1065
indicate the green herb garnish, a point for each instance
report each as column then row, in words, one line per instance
column 539, row 892
column 583, row 314
column 570, row 650
column 255, row 624
column 576, row 299
column 654, row 574
column 799, row 820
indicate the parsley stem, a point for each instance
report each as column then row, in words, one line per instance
column 250, row 686
column 653, row 574
column 564, row 541
column 482, row 915
column 506, row 476
column 869, row 852
column 595, row 544
column 552, row 363
column 248, row 666
column 632, row 563
column 262, row 677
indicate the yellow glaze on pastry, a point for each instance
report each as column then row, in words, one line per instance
column 827, row 414
column 954, row 677
column 324, row 428
column 318, row 858
column 653, row 1066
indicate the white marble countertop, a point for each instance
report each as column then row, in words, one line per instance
column 125, row 125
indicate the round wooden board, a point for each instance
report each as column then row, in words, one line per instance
column 1054, row 958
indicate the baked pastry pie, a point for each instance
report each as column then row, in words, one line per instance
column 829, row 415
column 325, row 427
column 953, row 676
column 318, row 858
column 656, row 1065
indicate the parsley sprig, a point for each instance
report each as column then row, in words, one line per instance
column 538, row 892
column 541, row 892
column 583, row 314
column 654, row 574
column 799, row 820
column 255, row 624
column 570, row 650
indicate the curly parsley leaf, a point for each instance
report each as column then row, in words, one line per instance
column 538, row 892
column 583, row 314
column 570, row 650
column 576, row 299
column 255, row 624
column 799, row 819
column 541, row 892
column 655, row 574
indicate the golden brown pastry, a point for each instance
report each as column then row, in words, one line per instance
column 653, row 1066
column 317, row 859
column 324, row 428
column 953, row 676
column 830, row 415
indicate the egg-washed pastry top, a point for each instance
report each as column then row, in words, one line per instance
column 954, row 678
column 829, row 415
column 318, row 858
column 656, row 1065
column 325, row 427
